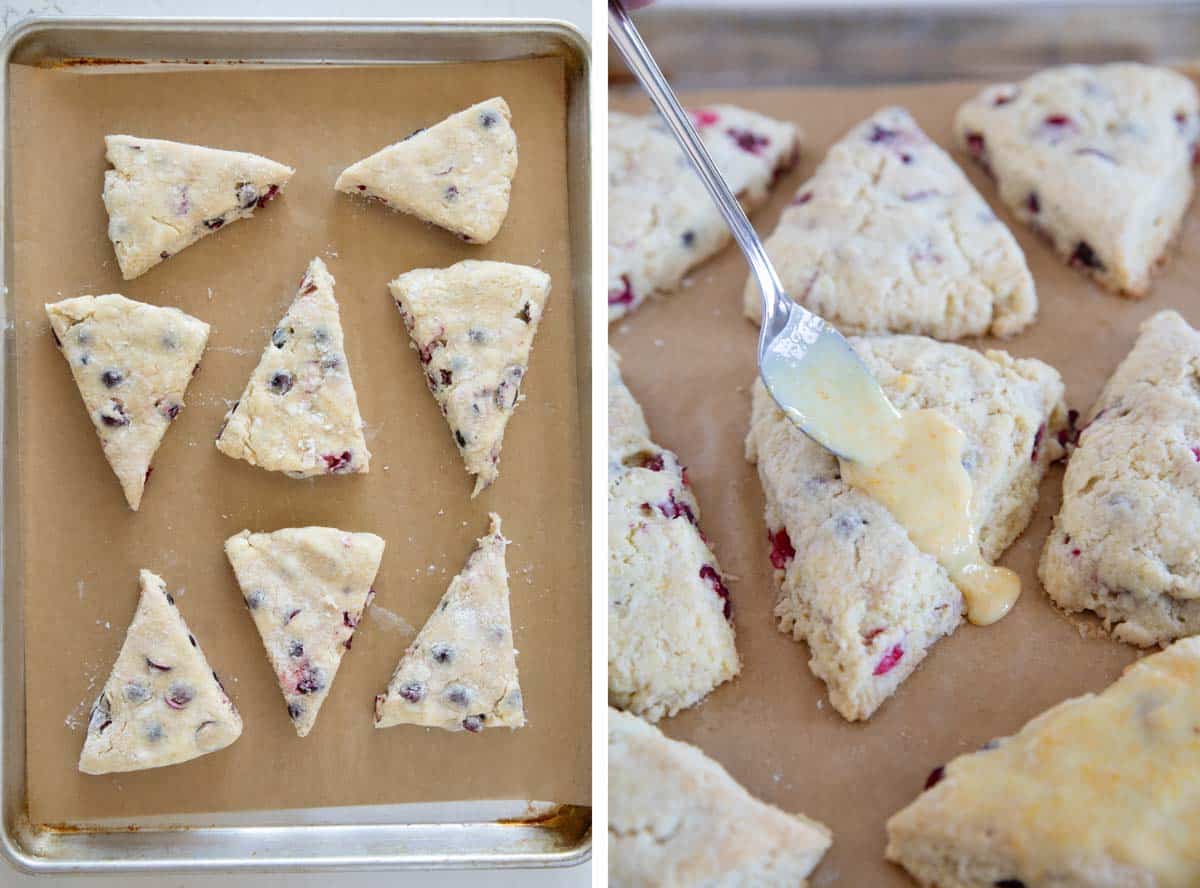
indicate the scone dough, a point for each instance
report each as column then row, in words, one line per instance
column 661, row 220
column 162, row 704
column 299, row 412
column 670, row 620
column 460, row 672
column 1096, row 158
column 472, row 325
column 888, row 236
column 164, row 196
column 869, row 603
column 132, row 363
column 457, row 174
column 306, row 588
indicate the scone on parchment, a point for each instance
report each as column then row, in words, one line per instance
column 1125, row 541
column 676, row 819
column 670, row 621
column 457, row 174
column 132, row 363
column 888, row 236
column 162, row 704
column 472, row 325
column 853, row 585
column 1096, row 158
column 306, row 589
column 1098, row 792
column 299, row 411
column 164, row 196
column 460, row 672
column 661, row 220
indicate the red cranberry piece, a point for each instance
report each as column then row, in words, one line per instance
column 782, row 551
column 169, row 409
column 975, row 144
column 362, row 187
column 337, row 462
column 1085, row 257
column 1075, row 553
column 935, row 777
column 651, row 461
column 872, row 635
column 801, row 199
column 309, row 681
column 889, row 661
column 412, row 691
column 709, row 573
column 180, row 695
column 882, row 135
column 292, row 615
column 149, row 472
column 271, row 192
column 1032, row 203
column 704, row 117
column 427, row 350
column 673, row 508
column 1058, row 120
column 1196, row 453
column 748, row 141
column 1004, row 98
column 473, row 723
column 348, row 621
column 158, row 667
column 281, row 382
column 623, row 296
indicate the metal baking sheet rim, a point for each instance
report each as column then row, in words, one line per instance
column 509, row 838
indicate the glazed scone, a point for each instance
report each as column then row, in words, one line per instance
column 472, row 325
column 1096, row 158
column 460, row 672
column 306, row 588
column 1124, row 543
column 853, row 585
column 1098, row 792
column 162, row 704
column 661, row 220
column 132, row 363
column 164, row 196
column 299, row 412
column 457, row 174
column 676, row 818
column 888, row 236
column 670, row 621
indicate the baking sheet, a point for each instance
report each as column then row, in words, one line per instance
column 81, row 545
column 690, row 360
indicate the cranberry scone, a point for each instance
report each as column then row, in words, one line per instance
column 676, row 818
column 299, row 412
column 472, row 325
column 661, row 221
column 853, row 585
column 163, row 196
column 162, row 704
column 888, row 236
column 670, row 620
column 1098, row 792
column 1096, row 158
column 460, row 672
column 132, row 363
column 306, row 588
column 457, row 174
column 1124, row 542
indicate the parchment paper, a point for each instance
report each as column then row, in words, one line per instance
column 83, row 547
column 690, row 360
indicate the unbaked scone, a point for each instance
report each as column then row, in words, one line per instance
column 1096, row 158
column 676, row 819
column 164, row 196
column 1125, row 543
column 661, row 220
column 306, row 588
column 1098, row 792
column 162, row 704
column 472, row 325
column 460, row 672
column 457, row 174
column 853, row 585
column 299, row 412
column 670, row 620
column 888, row 236
column 132, row 363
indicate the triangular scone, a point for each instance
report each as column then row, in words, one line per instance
column 132, row 363
column 853, row 585
column 457, row 174
column 162, row 704
column 473, row 325
column 306, row 588
column 299, row 412
column 888, row 236
column 1101, row 790
column 676, row 817
column 1096, row 158
column 164, row 196
column 661, row 220
column 460, row 672
column 1124, row 543
column 670, row 622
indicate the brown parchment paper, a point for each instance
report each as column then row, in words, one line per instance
column 690, row 360
column 83, row 547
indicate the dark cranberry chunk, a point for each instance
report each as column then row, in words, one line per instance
column 136, row 692
column 180, row 695
column 101, row 716
column 114, row 415
column 441, row 653
column 458, row 436
column 214, row 224
column 748, row 141
column 487, row 119
column 309, row 682
column 412, row 691
column 1032, row 203
column 1037, row 442
column 451, row 193
column 802, row 198
column 523, row 314
column 279, row 338
column 510, row 388
column 271, row 192
column 935, row 777
column 1010, row 883
column 975, row 144
column 447, row 377
column 709, row 574
column 782, row 551
column 473, row 723
column 623, row 296
column 295, row 648
column 295, row 710
column 254, row 599
column 337, row 462
column 112, row 378
column 156, row 666
column 281, row 382
column 164, row 255
column 688, row 238
column 458, row 695
column 247, row 195
column 169, row 409
column 1085, row 257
